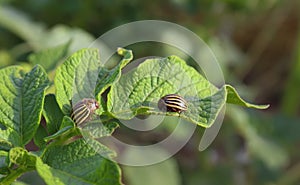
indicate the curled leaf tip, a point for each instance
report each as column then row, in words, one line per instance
column 234, row 98
column 122, row 52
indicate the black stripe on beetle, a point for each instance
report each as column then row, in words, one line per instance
column 83, row 110
column 172, row 103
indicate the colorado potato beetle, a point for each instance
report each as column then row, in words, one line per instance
column 83, row 110
column 172, row 103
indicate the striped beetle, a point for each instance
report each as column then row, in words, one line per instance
column 83, row 110
column 172, row 103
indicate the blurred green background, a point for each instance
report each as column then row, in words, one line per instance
column 257, row 44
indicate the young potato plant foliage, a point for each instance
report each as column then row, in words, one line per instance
column 28, row 113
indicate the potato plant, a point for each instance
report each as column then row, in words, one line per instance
column 29, row 113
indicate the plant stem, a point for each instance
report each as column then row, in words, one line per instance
column 14, row 175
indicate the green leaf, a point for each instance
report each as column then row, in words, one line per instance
column 21, row 98
column 67, row 126
column 201, row 111
column 39, row 136
column 20, row 156
column 22, row 162
column 65, row 78
column 78, row 160
column 5, row 146
column 49, row 58
column 66, row 122
column 86, row 74
column 54, row 176
column 8, row 138
column 138, row 92
column 234, row 98
column 100, row 128
column 59, row 133
column 107, row 77
column 96, row 129
column 91, row 131
column 52, row 114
